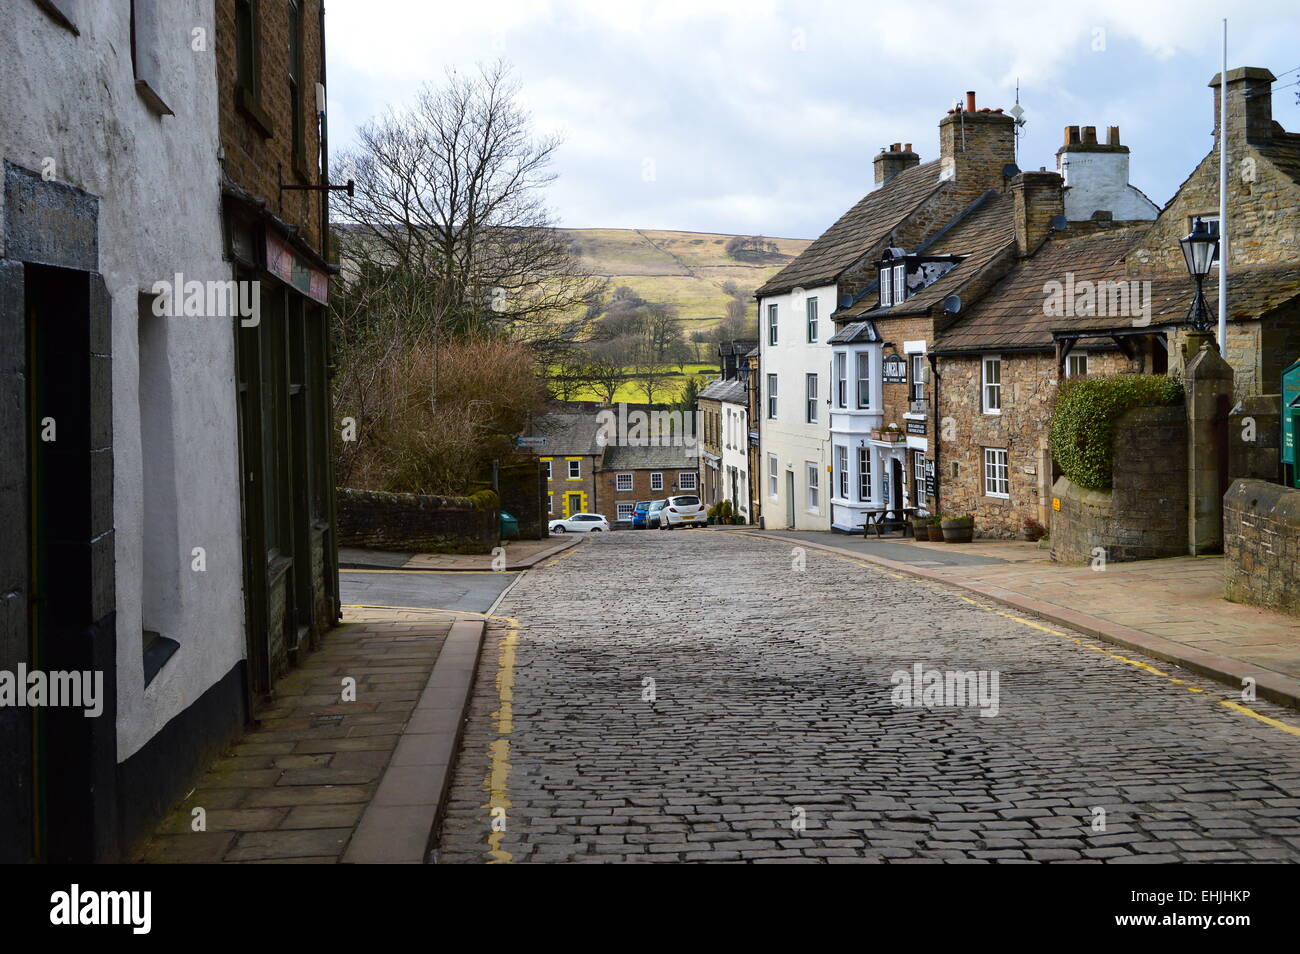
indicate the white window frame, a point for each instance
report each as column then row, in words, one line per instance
column 657, row 481
column 773, row 477
column 918, row 473
column 886, row 287
column 900, row 284
column 915, row 386
column 625, row 509
column 814, row 471
column 842, row 465
column 771, row 326
column 810, row 389
column 622, row 483
column 997, row 473
column 861, row 361
column 1070, row 359
column 688, row 480
column 575, row 470
column 810, row 311
column 550, row 503
column 841, row 379
column 991, row 391
column 771, row 397
column 864, row 473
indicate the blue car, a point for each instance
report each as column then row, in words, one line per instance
column 638, row 514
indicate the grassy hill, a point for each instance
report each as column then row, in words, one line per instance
column 687, row 269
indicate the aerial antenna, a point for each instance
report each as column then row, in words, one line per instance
column 1018, row 113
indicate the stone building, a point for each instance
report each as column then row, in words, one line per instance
column 630, row 473
column 724, row 452
column 570, row 459
column 271, row 87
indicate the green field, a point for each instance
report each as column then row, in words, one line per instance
column 670, row 386
column 686, row 269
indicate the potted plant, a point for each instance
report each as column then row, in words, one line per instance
column 935, row 528
column 712, row 514
column 920, row 525
column 1033, row 530
column 958, row 529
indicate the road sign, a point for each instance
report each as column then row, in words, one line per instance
column 530, row 441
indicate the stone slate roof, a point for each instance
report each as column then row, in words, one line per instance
column 740, row 346
column 855, row 232
column 985, row 234
column 1284, row 153
column 733, row 391
column 857, row 332
column 569, row 435
column 620, row 457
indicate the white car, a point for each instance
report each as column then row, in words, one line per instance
column 684, row 511
column 581, row 523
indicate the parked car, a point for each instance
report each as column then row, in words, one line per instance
column 509, row 526
column 639, row 514
column 652, row 514
column 682, row 511
column 581, row 523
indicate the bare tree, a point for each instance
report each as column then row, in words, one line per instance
column 450, row 192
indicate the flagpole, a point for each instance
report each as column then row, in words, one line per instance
column 1223, row 197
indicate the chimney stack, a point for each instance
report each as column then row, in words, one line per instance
column 890, row 162
column 974, row 147
column 1250, row 104
column 1039, row 197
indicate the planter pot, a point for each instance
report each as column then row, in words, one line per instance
column 936, row 533
column 920, row 530
column 954, row 532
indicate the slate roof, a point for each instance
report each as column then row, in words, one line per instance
column 1284, row 153
column 740, row 346
column 622, row 457
column 569, row 435
column 985, row 235
column 855, row 232
column 732, row 391
column 857, row 332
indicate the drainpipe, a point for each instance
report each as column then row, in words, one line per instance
column 938, row 471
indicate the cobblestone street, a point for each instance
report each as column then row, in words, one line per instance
column 709, row 696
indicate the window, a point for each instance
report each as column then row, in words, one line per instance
column 575, row 469
column 625, row 509
column 811, row 306
column 146, row 64
column 814, row 478
column 996, row 482
column 687, row 480
column 623, row 483
column 991, row 384
column 842, row 466
column 810, row 390
column 248, row 74
column 918, row 474
column 773, row 483
column 656, row 481
column 864, row 379
column 295, row 85
column 900, row 284
column 864, row 473
column 550, row 503
column 916, row 387
column 1212, row 225
column 771, row 324
column 548, row 469
column 771, row 397
column 61, row 12
column 841, row 382
column 886, row 287
column 1076, row 365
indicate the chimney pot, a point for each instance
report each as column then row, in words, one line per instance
column 1090, row 135
column 1112, row 136
column 907, row 147
column 970, row 100
column 1071, row 135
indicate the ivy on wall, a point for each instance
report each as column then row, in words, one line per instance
column 1082, row 432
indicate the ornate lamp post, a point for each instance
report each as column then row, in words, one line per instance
column 1200, row 249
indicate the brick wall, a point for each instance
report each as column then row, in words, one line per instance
column 610, row 496
column 413, row 523
column 252, row 159
column 1144, row 515
column 1261, row 545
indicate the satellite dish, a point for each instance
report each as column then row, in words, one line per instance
column 846, row 300
column 1010, row 170
column 952, row 304
column 1058, row 223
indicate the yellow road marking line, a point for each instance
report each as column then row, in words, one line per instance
column 564, row 554
column 444, row 572
column 498, row 779
column 1137, row 663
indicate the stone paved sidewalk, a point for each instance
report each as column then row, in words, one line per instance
column 520, row 555
column 293, row 790
column 1171, row 608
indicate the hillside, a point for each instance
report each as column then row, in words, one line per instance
column 687, row 269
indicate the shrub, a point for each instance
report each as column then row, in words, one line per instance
column 959, row 520
column 1082, row 432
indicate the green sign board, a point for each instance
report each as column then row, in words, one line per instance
column 1290, row 412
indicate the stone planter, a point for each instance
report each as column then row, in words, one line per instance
column 958, row 531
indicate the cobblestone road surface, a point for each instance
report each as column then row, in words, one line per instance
column 774, row 735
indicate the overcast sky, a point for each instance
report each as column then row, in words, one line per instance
column 763, row 117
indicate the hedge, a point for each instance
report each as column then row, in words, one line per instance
column 1082, row 432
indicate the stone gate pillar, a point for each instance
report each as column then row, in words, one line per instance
column 1208, row 381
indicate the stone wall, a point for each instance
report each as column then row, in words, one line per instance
column 1261, row 545
column 1255, row 438
column 1144, row 514
column 414, row 523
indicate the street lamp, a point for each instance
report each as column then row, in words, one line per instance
column 1200, row 248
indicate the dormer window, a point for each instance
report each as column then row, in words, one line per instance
column 903, row 275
